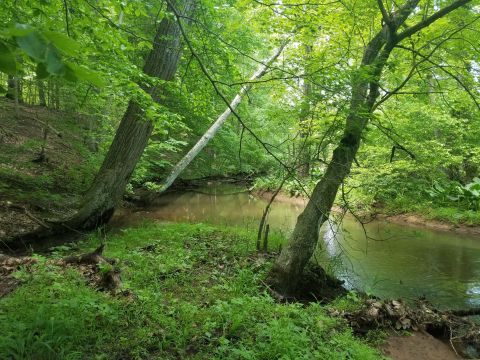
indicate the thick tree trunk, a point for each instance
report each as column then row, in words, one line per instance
column 132, row 134
column 301, row 246
column 204, row 140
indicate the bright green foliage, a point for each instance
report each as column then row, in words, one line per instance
column 467, row 195
column 195, row 292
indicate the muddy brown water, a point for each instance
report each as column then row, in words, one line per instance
column 385, row 259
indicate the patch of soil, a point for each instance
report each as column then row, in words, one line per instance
column 13, row 220
column 34, row 189
column 419, row 221
column 418, row 346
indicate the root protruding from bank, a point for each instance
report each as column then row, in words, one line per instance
column 99, row 270
column 315, row 285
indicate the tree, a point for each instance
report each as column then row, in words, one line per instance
column 365, row 89
column 133, row 133
column 216, row 126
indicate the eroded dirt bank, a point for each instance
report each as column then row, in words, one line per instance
column 418, row 346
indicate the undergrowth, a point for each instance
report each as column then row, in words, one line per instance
column 189, row 292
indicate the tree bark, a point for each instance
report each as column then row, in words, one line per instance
column 288, row 268
column 42, row 100
column 204, row 140
column 132, row 134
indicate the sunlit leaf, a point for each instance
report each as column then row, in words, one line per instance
column 87, row 75
column 63, row 42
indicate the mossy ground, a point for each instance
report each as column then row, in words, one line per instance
column 189, row 292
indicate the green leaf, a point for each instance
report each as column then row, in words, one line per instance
column 53, row 61
column 3, row 91
column 19, row 30
column 34, row 45
column 87, row 75
column 8, row 64
column 63, row 42
column 41, row 71
column 69, row 74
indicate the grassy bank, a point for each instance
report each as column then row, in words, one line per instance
column 189, row 291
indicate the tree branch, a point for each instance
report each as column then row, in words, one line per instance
column 431, row 19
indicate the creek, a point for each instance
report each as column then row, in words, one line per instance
column 385, row 259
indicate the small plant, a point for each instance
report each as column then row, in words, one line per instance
column 467, row 196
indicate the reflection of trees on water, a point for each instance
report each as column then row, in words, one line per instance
column 443, row 267
column 408, row 263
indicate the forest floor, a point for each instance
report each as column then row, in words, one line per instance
column 188, row 291
column 32, row 186
column 184, row 291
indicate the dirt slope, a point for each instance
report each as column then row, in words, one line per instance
column 35, row 186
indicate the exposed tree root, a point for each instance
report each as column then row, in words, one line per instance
column 99, row 270
column 314, row 285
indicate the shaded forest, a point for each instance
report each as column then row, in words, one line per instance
column 361, row 112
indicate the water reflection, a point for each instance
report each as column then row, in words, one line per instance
column 393, row 261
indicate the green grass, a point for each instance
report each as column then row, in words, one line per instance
column 197, row 294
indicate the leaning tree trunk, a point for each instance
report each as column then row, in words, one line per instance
column 132, row 134
column 216, row 126
column 289, row 266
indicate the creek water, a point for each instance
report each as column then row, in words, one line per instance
column 385, row 259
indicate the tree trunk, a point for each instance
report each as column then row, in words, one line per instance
column 10, row 88
column 204, row 140
column 132, row 134
column 289, row 266
column 41, row 93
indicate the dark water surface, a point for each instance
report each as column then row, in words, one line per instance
column 391, row 261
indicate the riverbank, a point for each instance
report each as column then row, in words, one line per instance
column 188, row 291
column 410, row 219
